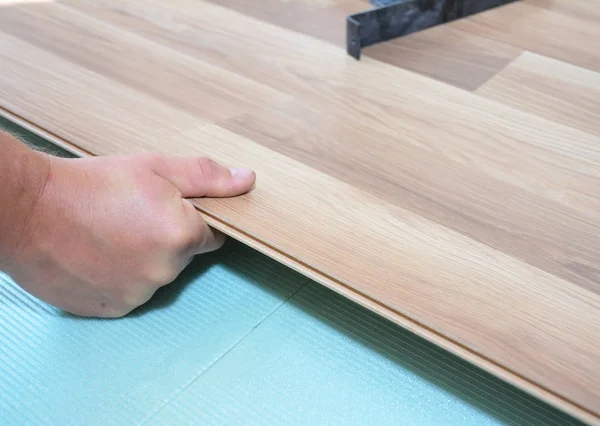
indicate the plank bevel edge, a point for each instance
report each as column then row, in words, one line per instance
column 49, row 136
column 419, row 329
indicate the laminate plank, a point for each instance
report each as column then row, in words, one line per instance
column 266, row 53
column 549, row 88
column 447, row 53
column 447, row 174
column 517, row 314
column 541, row 30
column 190, row 84
column 77, row 104
column 581, row 9
column 324, row 19
column 456, row 57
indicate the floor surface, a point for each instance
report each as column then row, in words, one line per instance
column 449, row 180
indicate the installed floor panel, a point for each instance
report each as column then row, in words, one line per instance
column 455, row 204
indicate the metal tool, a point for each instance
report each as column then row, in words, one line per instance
column 392, row 18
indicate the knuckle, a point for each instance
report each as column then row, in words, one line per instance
column 160, row 276
column 153, row 156
column 149, row 161
column 206, row 167
column 135, row 296
column 131, row 297
column 178, row 239
column 148, row 157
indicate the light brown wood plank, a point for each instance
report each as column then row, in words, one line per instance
column 549, row 88
column 187, row 83
column 79, row 105
column 447, row 53
column 286, row 60
column 323, row 19
column 541, row 30
column 447, row 174
column 581, row 9
column 497, row 174
column 455, row 57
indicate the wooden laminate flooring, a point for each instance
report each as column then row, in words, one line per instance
column 449, row 180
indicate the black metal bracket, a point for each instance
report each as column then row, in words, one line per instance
column 393, row 18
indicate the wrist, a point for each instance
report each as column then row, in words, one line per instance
column 24, row 174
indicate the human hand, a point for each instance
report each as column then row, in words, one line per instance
column 107, row 232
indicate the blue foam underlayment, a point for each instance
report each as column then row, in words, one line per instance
column 61, row 369
column 239, row 339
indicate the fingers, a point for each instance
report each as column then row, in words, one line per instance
column 201, row 177
column 206, row 239
column 213, row 240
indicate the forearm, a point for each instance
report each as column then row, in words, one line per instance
column 23, row 175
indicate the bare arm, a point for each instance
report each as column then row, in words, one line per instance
column 98, row 236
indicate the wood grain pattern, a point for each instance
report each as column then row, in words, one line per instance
column 189, row 84
column 542, row 30
column 286, row 60
column 324, row 19
column 469, row 218
column 549, row 88
column 447, row 53
column 536, row 215
column 580, row 9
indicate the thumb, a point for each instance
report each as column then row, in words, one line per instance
column 202, row 177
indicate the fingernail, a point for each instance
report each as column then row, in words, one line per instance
column 241, row 173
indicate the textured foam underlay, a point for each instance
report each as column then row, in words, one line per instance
column 239, row 339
